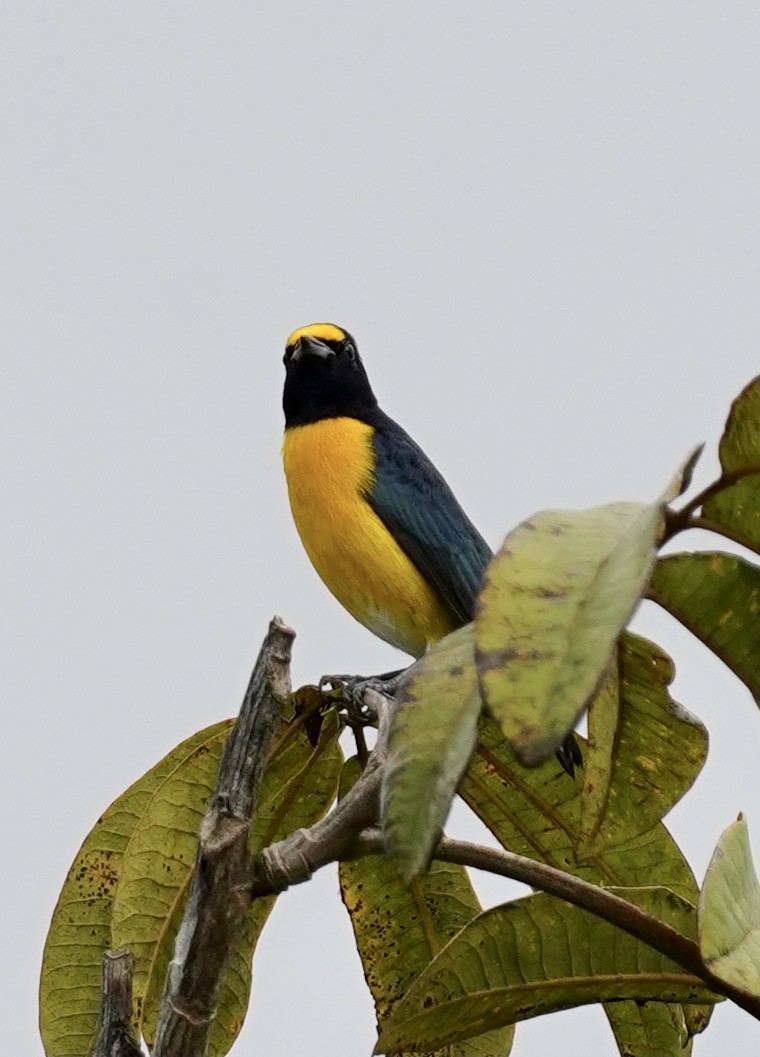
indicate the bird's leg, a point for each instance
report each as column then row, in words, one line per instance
column 352, row 689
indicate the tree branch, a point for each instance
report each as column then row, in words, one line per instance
column 219, row 894
column 226, row 878
column 600, row 901
column 114, row 1036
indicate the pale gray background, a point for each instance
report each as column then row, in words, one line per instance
column 541, row 222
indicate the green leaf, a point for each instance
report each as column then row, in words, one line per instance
column 80, row 931
column 537, row 813
column 740, row 444
column 535, row 956
column 651, row 1029
column 399, row 927
column 158, row 862
column 432, row 737
column 717, row 597
column 735, row 512
column 735, row 509
column 729, row 912
column 644, row 753
column 298, row 786
column 554, row 601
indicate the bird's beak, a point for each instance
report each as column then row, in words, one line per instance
column 308, row 346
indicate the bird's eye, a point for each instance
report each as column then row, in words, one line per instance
column 350, row 350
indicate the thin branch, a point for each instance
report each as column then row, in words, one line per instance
column 679, row 520
column 708, row 525
column 114, row 1036
column 583, row 894
column 219, row 898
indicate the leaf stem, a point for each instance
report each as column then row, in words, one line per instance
column 679, row 520
column 706, row 523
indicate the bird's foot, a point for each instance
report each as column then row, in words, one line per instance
column 352, row 688
column 569, row 755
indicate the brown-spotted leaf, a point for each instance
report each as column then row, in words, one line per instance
column 554, row 601
column 535, row 956
column 80, row 931
column 298, row 786
column 537, row 812
column 400, row 927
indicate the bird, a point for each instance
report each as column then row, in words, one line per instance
column 378, row 521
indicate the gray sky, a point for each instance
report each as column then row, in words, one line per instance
column 541, row 223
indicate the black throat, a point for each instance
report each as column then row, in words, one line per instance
column 316, row 389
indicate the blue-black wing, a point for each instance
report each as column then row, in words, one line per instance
column 420, row 511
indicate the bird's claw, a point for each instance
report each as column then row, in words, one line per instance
column 329, row 683
column 352, row 689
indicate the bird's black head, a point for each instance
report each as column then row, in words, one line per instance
column 324, row 376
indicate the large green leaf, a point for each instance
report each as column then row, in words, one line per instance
column 729, row 912
column 298, row 787
column 534, row 956
column 537, row 813
column 644, row 751
column 717, row 597
column 116, row 864
column 432, row 737
column 554, row 601
column 158, row 862
column 649, row 752
column 657, row 754
column 80, row 930
column 400, row 927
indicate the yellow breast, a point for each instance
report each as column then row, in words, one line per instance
column 329, row 467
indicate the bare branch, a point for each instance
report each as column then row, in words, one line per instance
column 114, row 1036
column 226, row 878
column 220, row 891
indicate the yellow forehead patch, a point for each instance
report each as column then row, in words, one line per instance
column 322, row 331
